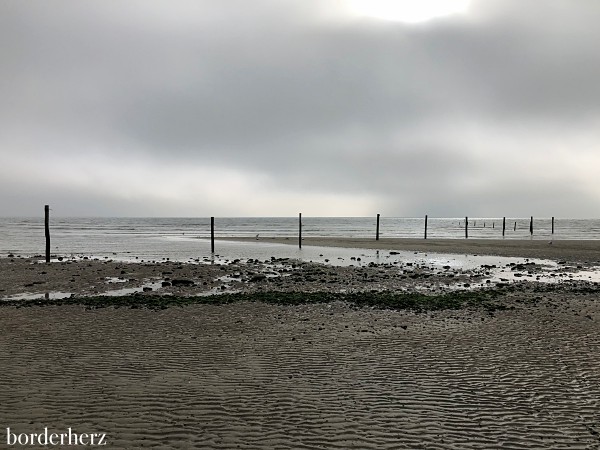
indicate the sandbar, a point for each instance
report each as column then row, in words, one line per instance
column 585, row 251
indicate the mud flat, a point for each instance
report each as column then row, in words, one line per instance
column 28, row 278
column 583, row 251
column 329, row 375
column 300, row 355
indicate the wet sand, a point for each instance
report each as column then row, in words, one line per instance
column 570, row 250
column 331, row 375
column 251, row 375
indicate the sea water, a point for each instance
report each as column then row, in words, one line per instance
column 189, row 238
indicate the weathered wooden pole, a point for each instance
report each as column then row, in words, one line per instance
column 212, row 234
column 531, row 226
column 466, row 227
column 299, row 230
column 377, row 230
column 47, row 230
column 552, row 224
column 425, row 226
column 515, row 229
column 503, row 226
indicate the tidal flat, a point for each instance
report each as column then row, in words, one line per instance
column 289, row 354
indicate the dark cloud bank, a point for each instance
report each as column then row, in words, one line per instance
column 272, row 107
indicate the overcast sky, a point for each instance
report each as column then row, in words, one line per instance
column 325, row 107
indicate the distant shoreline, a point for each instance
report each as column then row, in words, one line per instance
column 584, row 251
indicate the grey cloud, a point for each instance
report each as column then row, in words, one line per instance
column 352, row 107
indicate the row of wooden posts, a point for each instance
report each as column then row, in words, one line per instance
column 467, row 227
column 212, row 230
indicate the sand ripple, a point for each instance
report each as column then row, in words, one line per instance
column 327, row 376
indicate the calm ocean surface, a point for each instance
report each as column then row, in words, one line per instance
column 188, row 239
column 185, row 238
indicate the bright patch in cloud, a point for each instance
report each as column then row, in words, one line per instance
column 408, row 11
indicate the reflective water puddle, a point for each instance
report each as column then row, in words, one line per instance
column 149, row 286
column 40, row 296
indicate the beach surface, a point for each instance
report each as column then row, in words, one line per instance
column 584, row 251
column 254, row 375
column 521, row 372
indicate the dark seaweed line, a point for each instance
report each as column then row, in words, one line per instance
column 384, row 300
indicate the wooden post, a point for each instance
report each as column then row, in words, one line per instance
column 212, row 234
column 47, row 230
column 377, row 230
column 425, row 226
column 515, row 229
column 531, row 226
column 466, row 227
column 503, row 226
column 299, row 230
column 552, row 224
